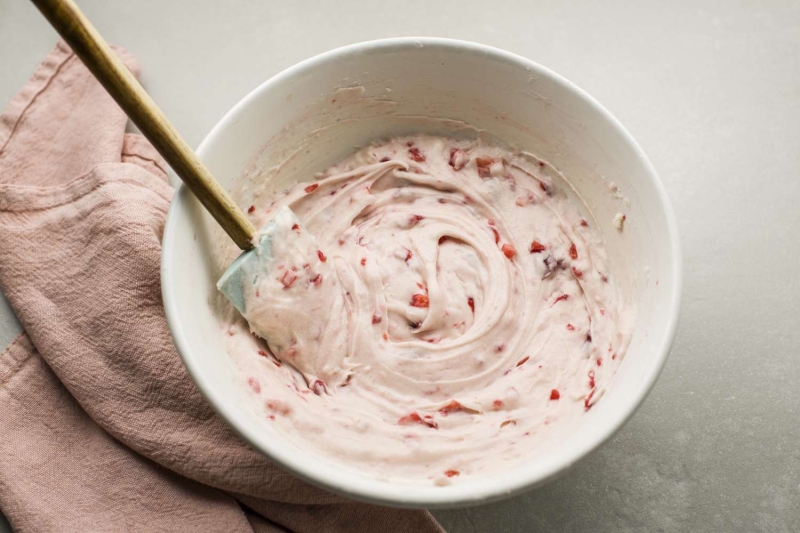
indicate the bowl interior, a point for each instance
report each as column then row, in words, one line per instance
column 314, row 114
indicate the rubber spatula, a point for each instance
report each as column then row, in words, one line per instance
column 109, row 70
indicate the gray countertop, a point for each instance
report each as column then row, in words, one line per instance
column 711, row 90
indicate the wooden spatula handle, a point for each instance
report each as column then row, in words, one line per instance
column 98, row 57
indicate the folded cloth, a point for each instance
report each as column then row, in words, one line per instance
column 102, row 428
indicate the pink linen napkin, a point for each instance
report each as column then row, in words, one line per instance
column 102, row 429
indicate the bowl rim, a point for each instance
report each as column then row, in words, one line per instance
column 480, row 490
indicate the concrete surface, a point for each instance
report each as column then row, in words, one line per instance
column 711, row 89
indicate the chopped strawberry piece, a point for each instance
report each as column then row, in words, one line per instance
column 451, row 407
column 415, row 219
column 321, row 256
column 496, row 235
column 409, row 255
column 589, row 336
column 288, row 279
column 311, row 188
column 363, row 261
column 471, row 304
column 562, row 297
column 251, row 209
column 254, row 384
column 451, row 473
column 584, row 223
column 554, row 394
column 415, row 154
column 316, row 280
column 591, row 379
column 296, row 227
column 414, row 418
column 385, row 336
column 537, row 247
column 484, row 164
column 523, row 360
column 319, row 387
column 498, row 404
column 573, row 252
column 458, row 158
column 419, row 300
column 570, row 327
column 262, row 353
column 543, row 186
column 599, row 361
column 508, row 251
column 587, row 403
column 578, row 273
column 376, row 317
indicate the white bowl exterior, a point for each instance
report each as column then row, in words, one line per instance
column 517, row 101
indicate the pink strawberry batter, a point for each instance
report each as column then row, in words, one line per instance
column 443, row 311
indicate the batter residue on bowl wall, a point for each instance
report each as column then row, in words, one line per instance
column 453, row 316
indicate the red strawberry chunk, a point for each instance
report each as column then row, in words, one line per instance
column 288, row 279
column 587, row 403
column 508, row 251
column 311, row 188
column 319, row 387
column 321, row 256
column 414, row 418
column 484, row 164
column 419, row 300
column 458, row 158
column 451, row 407
column 416, row 155
column 573, row 252
column 537, row 247
column 554, row 394
column 451, row 473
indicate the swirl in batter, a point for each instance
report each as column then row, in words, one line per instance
column 440, row 311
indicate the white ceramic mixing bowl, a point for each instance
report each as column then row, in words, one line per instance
column 304, row 119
